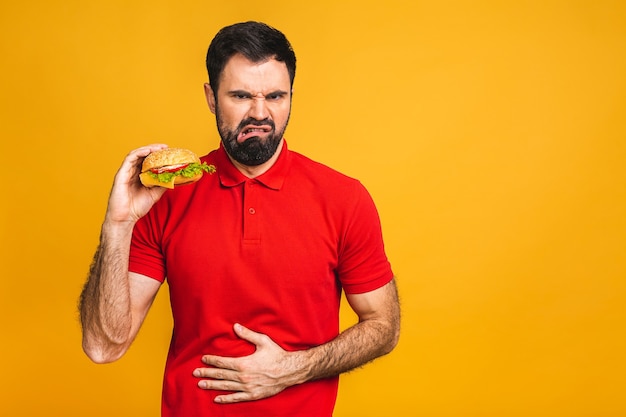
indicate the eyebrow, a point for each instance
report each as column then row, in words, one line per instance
column 249, row 94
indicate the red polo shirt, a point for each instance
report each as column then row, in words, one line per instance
column 272, row 253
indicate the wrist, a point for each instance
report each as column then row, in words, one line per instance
column 303, row 363
column 116, row 229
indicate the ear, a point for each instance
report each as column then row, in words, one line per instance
column 210, row 97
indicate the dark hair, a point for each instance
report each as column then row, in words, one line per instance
column 256, row 41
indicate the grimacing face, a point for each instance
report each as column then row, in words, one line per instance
column 252, row 108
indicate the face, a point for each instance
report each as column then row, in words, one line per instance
column 252, row 108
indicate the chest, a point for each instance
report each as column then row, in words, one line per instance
column 253, row 236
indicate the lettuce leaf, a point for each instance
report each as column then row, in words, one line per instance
column 189, row 171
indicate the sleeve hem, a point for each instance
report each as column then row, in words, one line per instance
column 146, row 270
column 370, row 285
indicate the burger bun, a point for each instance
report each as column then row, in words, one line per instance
column 164, row 158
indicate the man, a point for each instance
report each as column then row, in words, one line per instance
column 256, row 256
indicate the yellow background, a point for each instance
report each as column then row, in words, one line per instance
column 490, row 133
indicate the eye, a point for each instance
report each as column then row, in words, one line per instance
column 275, row 96
column 240, row 95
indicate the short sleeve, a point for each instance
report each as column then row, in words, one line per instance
column 146, row 256
column 363, row 264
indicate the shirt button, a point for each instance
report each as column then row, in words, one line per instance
column 251, row 210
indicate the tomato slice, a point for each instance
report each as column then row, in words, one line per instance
column 169, row 168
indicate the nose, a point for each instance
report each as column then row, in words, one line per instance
column 258, row 108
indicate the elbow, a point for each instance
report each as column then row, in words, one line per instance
column 101, row 355
column 392, row 334
column 393, row 339
column 104, row 347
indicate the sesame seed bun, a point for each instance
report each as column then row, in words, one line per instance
column 164, row 158
column 168, row 156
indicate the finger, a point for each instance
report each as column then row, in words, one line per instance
column 156, row 193
column 146, row 150
column 217, row 385
column 220, row 362
column 133, row 161
column 217, row 373
column 136, row 156
column 237, row 397
column 255, row 338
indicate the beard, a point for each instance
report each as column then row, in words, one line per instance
column 254, row 150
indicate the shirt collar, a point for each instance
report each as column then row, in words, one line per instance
column 273, row 178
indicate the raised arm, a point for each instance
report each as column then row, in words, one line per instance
column 114, row 302
column 270, row 369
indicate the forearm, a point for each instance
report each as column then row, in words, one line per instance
column 356, row 346
column 105, row 303
column 271, row 369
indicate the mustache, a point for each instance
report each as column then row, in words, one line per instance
column 255, row 122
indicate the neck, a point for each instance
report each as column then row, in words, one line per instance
column 256, row 170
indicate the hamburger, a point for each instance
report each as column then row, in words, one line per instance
column 172, row 166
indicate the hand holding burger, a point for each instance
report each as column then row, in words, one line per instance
column 172, row 166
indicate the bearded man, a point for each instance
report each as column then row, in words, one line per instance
column 256, row 256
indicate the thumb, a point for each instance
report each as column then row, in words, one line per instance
column 255, row 338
